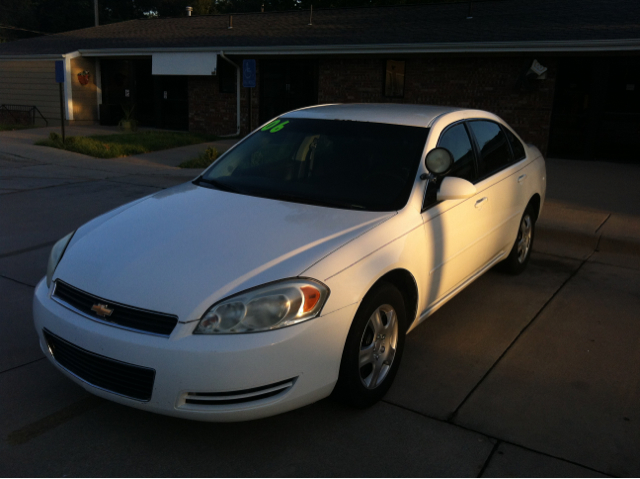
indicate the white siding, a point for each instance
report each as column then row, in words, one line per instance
column 31, row 83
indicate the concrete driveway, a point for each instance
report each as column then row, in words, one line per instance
column 536, row 375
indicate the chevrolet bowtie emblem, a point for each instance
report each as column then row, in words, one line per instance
column 101, row 310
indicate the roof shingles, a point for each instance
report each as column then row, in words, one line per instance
column 493, row 21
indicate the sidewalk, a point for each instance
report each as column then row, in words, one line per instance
column 20, row 144
column 175, row 156
column 591, row 208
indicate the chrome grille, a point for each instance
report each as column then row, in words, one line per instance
column 124, row 316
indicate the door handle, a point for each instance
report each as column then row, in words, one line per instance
column 481, row 202
column 521, row 178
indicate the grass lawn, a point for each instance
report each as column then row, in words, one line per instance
column 202, row 161
column 10, row 127
column 125, row 144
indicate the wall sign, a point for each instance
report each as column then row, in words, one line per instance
column 59, row 71
column 249, row 73
column 394, row 79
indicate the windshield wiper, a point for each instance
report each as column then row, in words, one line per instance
column 217, row 184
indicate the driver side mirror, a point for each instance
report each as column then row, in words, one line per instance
column 439, row 161
column 453, row 188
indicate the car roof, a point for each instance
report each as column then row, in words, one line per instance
column 391, row 113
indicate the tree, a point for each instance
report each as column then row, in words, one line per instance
column 16, row 14
column 53, row 16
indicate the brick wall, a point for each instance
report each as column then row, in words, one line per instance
column 211, row 111
column 486, row 83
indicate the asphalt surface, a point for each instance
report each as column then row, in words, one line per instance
column 537, row 375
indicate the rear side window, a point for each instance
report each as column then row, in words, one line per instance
column 516, row 146
column 456, row 140
column 493, row 146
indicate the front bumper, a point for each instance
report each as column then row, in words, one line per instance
column 306, row 355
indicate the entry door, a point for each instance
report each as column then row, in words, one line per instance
column 171, row 102
column 285, row 86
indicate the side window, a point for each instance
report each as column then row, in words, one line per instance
column 456, row 140
column 493, row 146
column 516, row 146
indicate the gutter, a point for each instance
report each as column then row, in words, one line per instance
column 238, row 73
column 632, row 44
column 565, row 46
column 31, row 58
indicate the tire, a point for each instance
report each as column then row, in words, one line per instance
column 520, row 254
column 377, row 338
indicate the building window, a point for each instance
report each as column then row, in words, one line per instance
column 227, row 77
column 394, row 79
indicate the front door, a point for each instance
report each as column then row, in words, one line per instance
column 171, row 102
column 286, row 86
column 455, row 230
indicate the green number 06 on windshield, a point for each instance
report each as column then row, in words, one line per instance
column 274, row 126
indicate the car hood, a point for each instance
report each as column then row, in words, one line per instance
column 184, row 248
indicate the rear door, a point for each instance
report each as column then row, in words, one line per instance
column 502, row 180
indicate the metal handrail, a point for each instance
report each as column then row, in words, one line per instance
column 31, row 110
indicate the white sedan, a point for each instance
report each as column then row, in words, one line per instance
column 294, row 266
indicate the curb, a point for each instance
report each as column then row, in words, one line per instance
column 579, row 244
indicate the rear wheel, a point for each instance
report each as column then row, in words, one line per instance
column 373, row 349
column 520, row 254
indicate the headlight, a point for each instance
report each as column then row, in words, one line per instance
column 268, row 307
column 56, row 255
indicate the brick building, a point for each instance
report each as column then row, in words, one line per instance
column 582, row 98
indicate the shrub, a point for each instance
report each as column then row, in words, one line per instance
column 125, row 144
column 203, row 160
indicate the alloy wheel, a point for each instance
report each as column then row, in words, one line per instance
column 378, row 346
column 524, row 238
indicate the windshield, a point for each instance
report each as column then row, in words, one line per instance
column 343, row 164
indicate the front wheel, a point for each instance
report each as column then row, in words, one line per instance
column 373, row 349
column 520, row 254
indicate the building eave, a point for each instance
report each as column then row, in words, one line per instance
column 394, row 48
column 35, row 58
column 567, row 46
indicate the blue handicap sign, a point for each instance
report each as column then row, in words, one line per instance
column 59, row 71
column 249, row 73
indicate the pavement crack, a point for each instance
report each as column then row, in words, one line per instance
column 452, row 417
column 489, row 457
column 49, row 187
column 22, row 365
column 26, row 250
column 135, row 184
column 492, row 438
column 17, row 281
column 37, row 428
column 603, row 222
